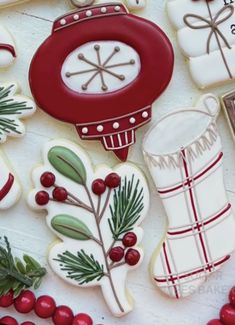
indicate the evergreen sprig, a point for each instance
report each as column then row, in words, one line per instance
column 10, row 106
column 82, row 268
column 18, row 275
column 126, row 208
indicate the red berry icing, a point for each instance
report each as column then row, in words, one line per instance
column 63, row 316
column 60, row 194
column 113, row 180
column 232, row 296
column 82, row 319
column 42, row 198
column 47, row 179
column 214, row 322
column 116, row 254
column 132, row 257
column 98, row 186
column 130, row 239
column 45, row 306
column 28, row 323
column 227, row 315
column 8, row 320
column 25, row 302
column 7, row 299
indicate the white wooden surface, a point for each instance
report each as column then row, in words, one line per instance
column 31, row 23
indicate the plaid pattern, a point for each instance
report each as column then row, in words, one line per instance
column 193, row 240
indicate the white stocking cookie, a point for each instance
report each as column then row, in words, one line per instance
column 96, row 213
column 13, row 107
column 206, row 35
column 7, row 48
column 187, row 168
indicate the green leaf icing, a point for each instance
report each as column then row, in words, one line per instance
column 71, row 227
column 67, row 163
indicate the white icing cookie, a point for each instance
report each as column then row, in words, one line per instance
column 9, row 187
column 13, row 107
column 7, row 48
column 96, row 213
column 206, row 35
column 187, row 168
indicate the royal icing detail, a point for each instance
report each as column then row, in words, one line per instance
column 7, row 48
column 135, row 4
column 205, row 32
column 187, row 168
column 228, row 103
column 13, row 107
column 96, row 213
column 9, row 187
column 97, row 77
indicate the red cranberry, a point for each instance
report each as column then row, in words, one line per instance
column 45, row 306
column 113, row 180
column 232, row 296
column 63, row 316
column 47, row 179
column 42, row 198
column 130, row 239
column 214, row 322
column 227, row 315
column 60, row 194
column 8, row 320
column 116, row 254
column 132, row 257
column 98, row 186
column 82, row 319
column 7, row 299
column 25, row 302
column 28, row 323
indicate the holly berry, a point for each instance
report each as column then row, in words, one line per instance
column 25, row 302
column 42, row 198
column 98, row 186
column 8, row 320
column 113, row 180
column 227, row 315
column 116, row 254
column 7, row 299
column 63, row 316
column 47, row 179
column 28, row 323
column 130, row 239
column 232, row 296
column 60, row 194
column 45, row 306
column 82, row 319
column 214, row 322
column 132, row 257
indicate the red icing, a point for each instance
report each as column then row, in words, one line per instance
column 8, row 48
column 91, row 110
column 7, row 187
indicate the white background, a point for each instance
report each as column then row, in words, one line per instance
column 31, row 23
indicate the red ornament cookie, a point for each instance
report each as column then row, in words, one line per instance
column 101, row 69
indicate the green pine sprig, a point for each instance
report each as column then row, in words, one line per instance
column 10, row 106
column 82, row 268
column 126, row 208
column 18, row 275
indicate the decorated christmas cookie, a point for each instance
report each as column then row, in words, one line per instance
column 228, row 103
column 187, row 168
column 102, row 80
column 7, row 48
column 96, row 213
column 13, row 107
column 206, row 35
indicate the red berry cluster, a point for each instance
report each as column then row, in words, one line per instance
column 132, row 256
column 227, row 312
column 44, row 307
column 59, row 194
column 99, row 185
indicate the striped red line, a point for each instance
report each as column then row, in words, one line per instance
column 169, row 271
